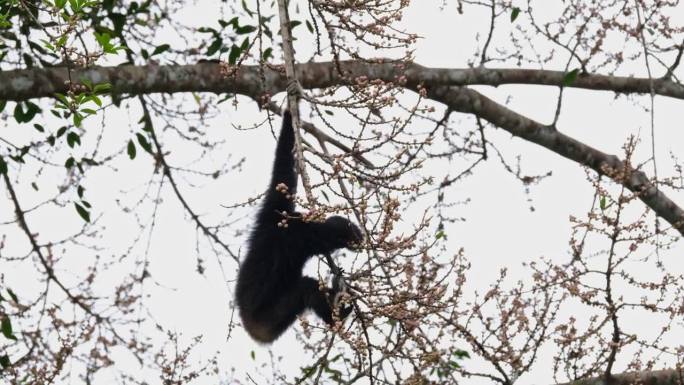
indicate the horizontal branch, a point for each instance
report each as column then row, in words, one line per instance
column 496, row 77
column 208, row 77
column 656, row 377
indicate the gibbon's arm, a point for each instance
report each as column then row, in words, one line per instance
column 283, row 169
column 314, row 238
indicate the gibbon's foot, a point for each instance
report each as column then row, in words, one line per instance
column 338, row 284
column 339, row 289
column 295, row 88
column 344, row 311
column 338, row 309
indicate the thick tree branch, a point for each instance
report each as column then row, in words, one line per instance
column 207, row 77
column 656, row 377
column 24, row 84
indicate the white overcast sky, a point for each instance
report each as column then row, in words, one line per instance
column 500, row 230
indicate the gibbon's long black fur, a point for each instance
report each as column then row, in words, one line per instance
column 271, row 290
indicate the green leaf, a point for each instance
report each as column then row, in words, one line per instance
column 235, row 52
column 70, row 162
column 131, row 149
column 309, row 26
column 102, row 87
column 48, row 45
column 245, row 44
column 3, row 103
column 252, row 354
column 73, row 139
column 327, row 198
column 82, row 212
column 160, row 48
column 61, row 42
column 144, row 143
column 602, row 203
column 214, row 46
column 570, row 77
column 38, row 127
column 268, row 52
column 118, row 20
column 88, row 83
column 5, row 361
column 103, row 38
column 61, row 131
column 96, row 100
column 249, row 11
column 514, row 13
column 245, row 29
column 147, row 124
column 19, row 114
column 11, row 294
column 6, row 328
column 28, row 60
column 78, row 119
column 62, row 99
column 3, row 166
column 211, row 30
column 235, row 22
column 440, row 234
column 80, row 190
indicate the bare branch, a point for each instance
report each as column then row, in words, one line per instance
column 470, row 101
column 78, row 300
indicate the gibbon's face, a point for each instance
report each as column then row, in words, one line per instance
column 348, row 234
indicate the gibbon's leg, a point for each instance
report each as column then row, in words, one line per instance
column 290, row 304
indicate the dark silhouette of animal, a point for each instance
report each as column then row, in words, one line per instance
column 271, row 290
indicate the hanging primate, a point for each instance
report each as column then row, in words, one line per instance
column 271, row 290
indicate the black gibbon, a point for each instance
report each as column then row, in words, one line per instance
column 271, row 290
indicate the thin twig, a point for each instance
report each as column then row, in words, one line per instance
column 41, row 257
column 166, row 169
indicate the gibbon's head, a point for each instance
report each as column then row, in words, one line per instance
column 345, row 232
